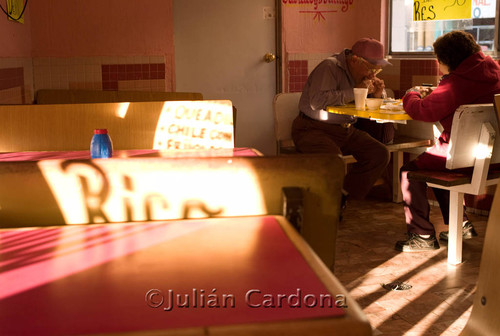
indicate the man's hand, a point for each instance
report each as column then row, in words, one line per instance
column 365, row 83
column 378, row 87
column 375, row 86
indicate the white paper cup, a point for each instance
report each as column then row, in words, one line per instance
column 360, row 98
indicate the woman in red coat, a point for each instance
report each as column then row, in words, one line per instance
column 470, row 77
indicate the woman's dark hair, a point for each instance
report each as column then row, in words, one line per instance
column 454, row 47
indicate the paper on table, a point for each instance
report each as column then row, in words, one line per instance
column 393, row 107
column 395, row 112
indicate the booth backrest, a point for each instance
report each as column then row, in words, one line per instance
column 48, row 96
column 52, row 96
column 136, row 125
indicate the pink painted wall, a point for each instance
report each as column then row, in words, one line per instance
column 15, row 38
column 63, row 28
column 330, row 27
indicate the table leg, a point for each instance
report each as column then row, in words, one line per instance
column 397, row 163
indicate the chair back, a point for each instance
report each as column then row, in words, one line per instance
column 465, row 133
column 286, row 109
column 389, row 93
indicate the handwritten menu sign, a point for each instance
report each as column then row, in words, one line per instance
column 317, row 9
column 432, row 10
column 195, row 125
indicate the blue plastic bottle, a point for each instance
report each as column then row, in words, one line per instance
column 101, row 146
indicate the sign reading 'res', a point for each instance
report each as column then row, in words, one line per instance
column 433, row 10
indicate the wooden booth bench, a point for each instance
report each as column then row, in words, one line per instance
column 473, row 143
column 413, row 137
column 84, row 191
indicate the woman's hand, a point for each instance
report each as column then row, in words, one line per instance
column 425, row 90
column 422, row 90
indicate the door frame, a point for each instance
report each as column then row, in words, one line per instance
column 279, row 47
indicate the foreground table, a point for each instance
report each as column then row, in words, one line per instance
column 231, row 276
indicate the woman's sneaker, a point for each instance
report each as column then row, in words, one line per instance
column 415, row 243
column 467, row 232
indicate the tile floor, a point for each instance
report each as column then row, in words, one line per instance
column 441, row 297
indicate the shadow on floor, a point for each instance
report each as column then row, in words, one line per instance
column 441, row 297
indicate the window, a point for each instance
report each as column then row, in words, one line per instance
column 416, row 24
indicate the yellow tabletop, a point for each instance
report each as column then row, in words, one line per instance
column 380, row 114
